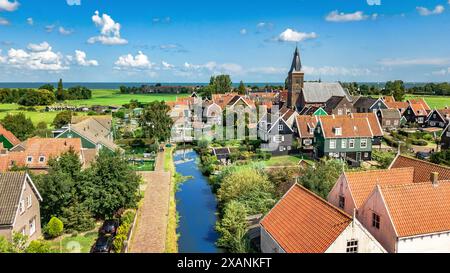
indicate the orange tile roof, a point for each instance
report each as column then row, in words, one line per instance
column 373, row 121
column 418, row 109
column 351, row 127
column 420, row 101
column 304, row 123
column 302, row 222
column 9, row 136
column 362, row 183
column 422, row 169
column 397, row 105
column 389, row 99
column 420, row 208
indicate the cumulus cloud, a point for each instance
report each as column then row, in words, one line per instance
column 414, row 61
column 290, row 35
column 427, row 12
column 4, row 22
column 6, row 5
column 73, row 2
column 81, row 59
column 109, row 31
column 140, row 62
column 36, row 57
column 336, row 16
column 30, row 21
column 442, row 72
column 64, row 31
column 167, row 66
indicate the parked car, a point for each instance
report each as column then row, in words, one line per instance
column 423, row 155
column 103, row 244
column 109, row 227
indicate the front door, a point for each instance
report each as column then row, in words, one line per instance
column 358, row 156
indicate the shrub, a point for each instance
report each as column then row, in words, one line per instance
column 419, row 142
column 128, row 217
column 233, row 228
column 38, row 247
column 54, row 228
column 121, row 237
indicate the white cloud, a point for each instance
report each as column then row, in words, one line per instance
column 336, row 16
column 109, row 31
column 290, row 35
column 81, row 59
column 2, row 58
column 73, row 2
column 4, row 22
column 64, row 31
column 419, row 61
column 30, row 21
column 44, row 46
column 167, row 66
column 6, row 5
column 243, row 31
column 140, row 61
column 49, row 28
column 36, row 57
column 426, row 12
column 336, row 71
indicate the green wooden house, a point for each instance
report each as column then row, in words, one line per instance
column 8, row 139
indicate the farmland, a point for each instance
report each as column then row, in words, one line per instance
column 99, row 97
column 437, row 102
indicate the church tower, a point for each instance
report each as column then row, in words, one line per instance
column 295, row 80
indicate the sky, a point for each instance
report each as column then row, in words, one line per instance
column 253, row 41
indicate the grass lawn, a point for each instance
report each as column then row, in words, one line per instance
column 79, row 244
column 146, row 167
column 172, row 224
column 287, row 160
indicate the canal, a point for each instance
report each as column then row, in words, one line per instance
column 196, row 205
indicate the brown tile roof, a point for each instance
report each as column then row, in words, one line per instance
column 11, row 184
column 351, row 127
column 420, row 208
column 389, row 99
column 373, row 121
column 362, row 183
column 304, row 123
column 9, row 136
column 302, row 222
column 422, row 169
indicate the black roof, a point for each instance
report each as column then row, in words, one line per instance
column 296, row 62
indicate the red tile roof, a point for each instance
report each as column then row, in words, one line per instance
column 362, row 184
column 422, row 169
column 400, row 105
column 419, row 109
column 9, row 136
column 420, row 208
column 351, row 127
column 304, row 123
column 302, row 222
column 373, row 121
column 420, row 101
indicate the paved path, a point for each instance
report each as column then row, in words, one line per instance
column 149, row 234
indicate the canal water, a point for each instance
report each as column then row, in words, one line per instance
column 196, row 205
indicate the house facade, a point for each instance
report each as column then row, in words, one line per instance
column 445, row 138
column 438, row 118
column 390, row 119
column 416, row 114
column 339, row 106
column 19, row 203
column 302, row 222
column 7, row 138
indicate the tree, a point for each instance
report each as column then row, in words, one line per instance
column 77, row 217
column 62, row 119
column 283, row 179
column 34, row 97
column 221, row 84
column 19, row 125
column 42, row 130
column 112, row 185
column 48, row 87
column 156, row 122
column 54, row 228
column 233, row 228
column 4, row 245
column 241, row 88
column 38, row 246
column 60, row 91
column 396, row 89
column 321, row 178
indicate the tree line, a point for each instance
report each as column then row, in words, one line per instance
column 157, row 88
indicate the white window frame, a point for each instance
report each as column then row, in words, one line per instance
column 42, row 159
column 352, row 246
column 395, row 122
column 338, row 131
column 388, row 122
column 307, row 141
column 363, row 141
column 278, row 138
column 22, row 206
column 344, row 144
column 29, row 201
column 340, row 112
column 280, row 127
column 32, row 226
column 332, row 144
column 29, row 159
column 351, row 144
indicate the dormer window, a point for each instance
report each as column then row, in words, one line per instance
column 41, row 159
column 311, row 130
column 338, row 131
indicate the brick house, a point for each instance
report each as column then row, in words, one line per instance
column 19, row 206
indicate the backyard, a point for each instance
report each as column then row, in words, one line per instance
column 81, row 243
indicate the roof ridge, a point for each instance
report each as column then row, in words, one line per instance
column 379, row 170
column 401, row 185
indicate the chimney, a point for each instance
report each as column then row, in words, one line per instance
column 435, row 179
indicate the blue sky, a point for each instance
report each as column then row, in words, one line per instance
column 187, row 41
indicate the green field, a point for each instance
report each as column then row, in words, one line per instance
column 437, row 102
column 99, row 97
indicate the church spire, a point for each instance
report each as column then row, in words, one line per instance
column 296, row 62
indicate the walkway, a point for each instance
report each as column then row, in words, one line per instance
column 149, row 235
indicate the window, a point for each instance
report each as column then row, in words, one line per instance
column 351, row 143
column 366, row 155
column 280, row 127
column 352, row 246
column 432, row 123
column 344, row 144
column 363, row 143
column 30, row 159
column 29, row 201
column 388, row 122
column 338, row 131
column 307, row 141
column 41, row 159
column 395, row 122
column 278, row 139
column 32, row 226
column 332, row 144
column 311, row 130
column 341, row 201
column 339, row 112
column 420, row 120
column 22, row 206
column 375, row 220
